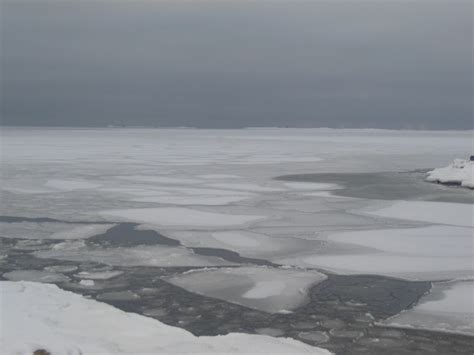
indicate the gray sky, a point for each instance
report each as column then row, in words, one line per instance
column 225, row 64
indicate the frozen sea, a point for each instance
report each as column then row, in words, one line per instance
column 330, row 237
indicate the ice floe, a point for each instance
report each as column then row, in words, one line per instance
column 427, row 253
column 135, row 256
column 100, row 275
column 51, row 230
column 179, row 217
column 449, row 307
column 35, row 275
column 71, row 185
column 459, row 172
column 459, row 214
column 83, row 326
column 192, row 200
column 267, row 289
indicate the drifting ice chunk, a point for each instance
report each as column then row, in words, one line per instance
column 35, row 275
column 103, row 275
column 460, row 172
column 33, row 322
column 449, row 307
column 176, row 216
column 266, row 289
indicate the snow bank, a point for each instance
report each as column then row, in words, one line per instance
column 41, row 316
column 460, row 172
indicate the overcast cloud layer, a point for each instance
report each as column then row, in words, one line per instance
column 226, row 64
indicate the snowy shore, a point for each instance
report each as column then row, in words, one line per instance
column 42, row 316
column 459, row 172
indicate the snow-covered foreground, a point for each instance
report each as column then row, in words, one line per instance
column 215, row 189
column 460, row 172
column 39, row 316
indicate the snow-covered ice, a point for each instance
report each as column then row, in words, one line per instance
column 179, row 217
column 427, row 253
column 459, row 214
column 35, row 275
column 219, row 192
column 268, row 289
column 49, row 230
column 191, row 200
column 459, row 172
column 70, row 185
column 99, row 275
column 42, row 316
column 135, row 256
column 311, row 186
column 449, row 307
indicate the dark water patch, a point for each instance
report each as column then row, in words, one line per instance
column 380, row 296
column 230, row 255
column 126, row 235
column 386, row 186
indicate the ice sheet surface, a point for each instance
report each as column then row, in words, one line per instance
column 449, row 307
column 268, row 289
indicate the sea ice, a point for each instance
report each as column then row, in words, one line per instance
column 35, row 275
column 161, row 179
column 192, row 200
column 459, row 214
column 70, row 185
column 263, row 288
column 83, row 326
column 449, row 307
column 179, row 217
column 428, row 253
column 136, row 256
column 51, row 230
column 311, row 186
column 246, row 187
column 218, row 176
column 103, row 275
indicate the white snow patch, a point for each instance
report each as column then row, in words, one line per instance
column 42, row 316
column 460, row 172
column 87, row 283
